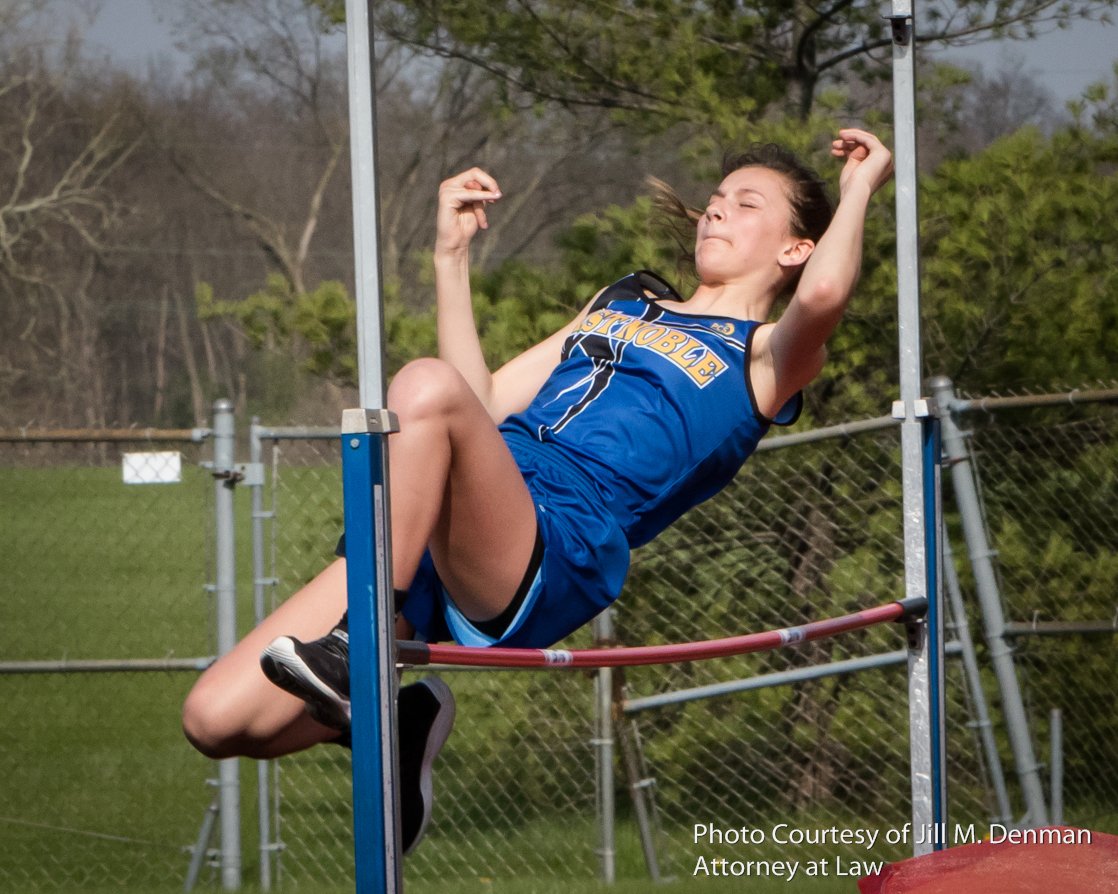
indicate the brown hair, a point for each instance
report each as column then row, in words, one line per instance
column 807, row 195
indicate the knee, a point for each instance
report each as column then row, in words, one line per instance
column 206, row 722
column 425, row 389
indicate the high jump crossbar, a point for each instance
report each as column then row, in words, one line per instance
column 418, row 654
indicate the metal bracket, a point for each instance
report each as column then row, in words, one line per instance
column 922, row 408
column 902, row 29
column 376, row 422
column 251, row 474
column 915, row 630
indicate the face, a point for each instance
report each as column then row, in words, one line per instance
column 745, row 228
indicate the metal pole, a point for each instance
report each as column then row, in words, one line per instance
column 201, row 845
column 769, row 681
column 989, row 599
column 372, row 657
column 107, row 665
column 974, row 683
column 640, row 791
column 259, row 585
column 225, row 589
column 1057, row 760
column 919, row 477
column 363, row 172
column 603, row 745
column 376, row 835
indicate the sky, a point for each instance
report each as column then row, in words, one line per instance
column 131, row 34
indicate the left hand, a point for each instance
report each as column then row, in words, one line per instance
column 867, row 159
column 461, row 209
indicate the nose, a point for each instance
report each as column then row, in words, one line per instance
column 714, row 210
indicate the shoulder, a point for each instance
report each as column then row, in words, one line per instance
column 774, row 385
column 641, row 285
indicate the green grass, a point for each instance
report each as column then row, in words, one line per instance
column 100, row 789
column 98, row 569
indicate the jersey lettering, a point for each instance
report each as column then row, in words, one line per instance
column 689, row 354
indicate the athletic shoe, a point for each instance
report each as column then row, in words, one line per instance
column 317, row 672
column 426, row 715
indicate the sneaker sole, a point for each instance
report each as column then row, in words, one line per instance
column 440, row 731
column 282, row 665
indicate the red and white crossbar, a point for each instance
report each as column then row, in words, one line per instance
column 412, row 653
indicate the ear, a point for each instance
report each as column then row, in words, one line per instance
column 796, row 252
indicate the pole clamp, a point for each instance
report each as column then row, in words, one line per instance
column 371, row 422
column 251, row 474
column 916, row 630
column 914, row 607
column 902, row 29
column 922, row 408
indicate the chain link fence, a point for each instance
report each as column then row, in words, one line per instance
column 1047, row 474
column 101, row 791
column 808, row 530
column 103, row 608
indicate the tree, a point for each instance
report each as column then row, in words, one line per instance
column 705, row 63
column 271, row 54
column 960, row 111
column 264, row 66
column 1019, row 261
column 59, row 150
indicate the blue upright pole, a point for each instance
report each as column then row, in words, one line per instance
column 933, row 562
column 365, row 480
column 371, row 652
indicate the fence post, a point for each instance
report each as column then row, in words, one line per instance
column 989, row 599
column 259, row 610
column 974, row 683
column 225, row 590
column 1056, row 759
column 603, row 744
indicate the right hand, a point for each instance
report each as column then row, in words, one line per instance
column 462, row 201
column 867, row 160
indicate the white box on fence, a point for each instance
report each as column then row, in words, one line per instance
column 163, row 467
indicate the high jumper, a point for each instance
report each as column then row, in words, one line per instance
column 518, row 494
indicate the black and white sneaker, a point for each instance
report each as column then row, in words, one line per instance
column 317, row 672
column 426, row 715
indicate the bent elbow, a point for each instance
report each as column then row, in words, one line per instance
column 824, row 297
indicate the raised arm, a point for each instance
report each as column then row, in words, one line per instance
column 461, row 213
column 462, row 201
column 795, row 346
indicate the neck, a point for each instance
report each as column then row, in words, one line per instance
column 744, row 300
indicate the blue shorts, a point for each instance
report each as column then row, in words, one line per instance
column 578, row 570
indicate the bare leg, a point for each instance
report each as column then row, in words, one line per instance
column 234, row 709
column 456, row 489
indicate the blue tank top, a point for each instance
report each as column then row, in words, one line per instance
column 650, row 409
